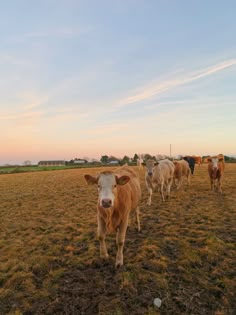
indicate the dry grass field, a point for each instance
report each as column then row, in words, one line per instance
column 49, row 253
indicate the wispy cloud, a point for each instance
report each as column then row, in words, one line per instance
column 148, row 92
column 63, row 32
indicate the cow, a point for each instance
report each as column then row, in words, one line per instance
column 216, row 168
column 191, row 162
column 159, row 174
column 198, row 160
column 119, row 192
column 182, row 170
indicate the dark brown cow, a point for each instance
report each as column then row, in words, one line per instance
column 119, row 193
column 216, row 168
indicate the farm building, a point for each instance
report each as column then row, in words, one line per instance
column 79, row 161
column 113, row 162
column 52, row 163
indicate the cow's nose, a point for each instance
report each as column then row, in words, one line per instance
column 149, row 173
column 106, row 203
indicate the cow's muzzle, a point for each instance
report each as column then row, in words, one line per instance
column 106, row 203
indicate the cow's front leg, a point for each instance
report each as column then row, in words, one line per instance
column 219, row 185
column 212, row 184
column 120, row 240
column 162, row 192
column 149, row 202
column 101, row 237
column 137, row 212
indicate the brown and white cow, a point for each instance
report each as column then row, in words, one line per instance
column 182, row 170
column 159, row 174
column 119, row 192
column 216, row 168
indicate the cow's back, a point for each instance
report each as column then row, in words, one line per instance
column 163, row 171
column 184, row 167
column 181, row 168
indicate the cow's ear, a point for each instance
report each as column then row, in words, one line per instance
column 156, row 163
column 91, row 180
column 220, row 160
column 122, row 180
column 143, row 164
column 209, row 160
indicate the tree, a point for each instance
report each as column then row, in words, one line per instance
column 104, row 159
column 125, row 160
column 136, row 157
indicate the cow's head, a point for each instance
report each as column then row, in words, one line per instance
column 213, row 164
column 149, row 165
column 107, row 187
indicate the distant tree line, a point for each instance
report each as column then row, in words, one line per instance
column 107, row 159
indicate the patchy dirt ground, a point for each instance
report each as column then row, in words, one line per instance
column 49, row 253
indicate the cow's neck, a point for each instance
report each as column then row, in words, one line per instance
column 111, row 218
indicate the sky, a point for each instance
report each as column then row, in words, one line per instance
column 91, row 78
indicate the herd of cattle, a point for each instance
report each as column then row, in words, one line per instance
column 119, row 192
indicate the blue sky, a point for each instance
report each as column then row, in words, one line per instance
column 88, row 78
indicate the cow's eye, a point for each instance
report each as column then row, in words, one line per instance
column 99, row 186
column 115, row 186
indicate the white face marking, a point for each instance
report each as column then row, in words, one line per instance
column 215, row 162
column 150, row 164
column 106, row 185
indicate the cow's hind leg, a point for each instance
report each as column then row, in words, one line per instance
column 168, row 187
column 179, row 183
column 189, row 177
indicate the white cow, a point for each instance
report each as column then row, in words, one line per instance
column 159, row 174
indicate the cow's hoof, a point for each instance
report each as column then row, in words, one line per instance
column 119, row 265
column 106, row 256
